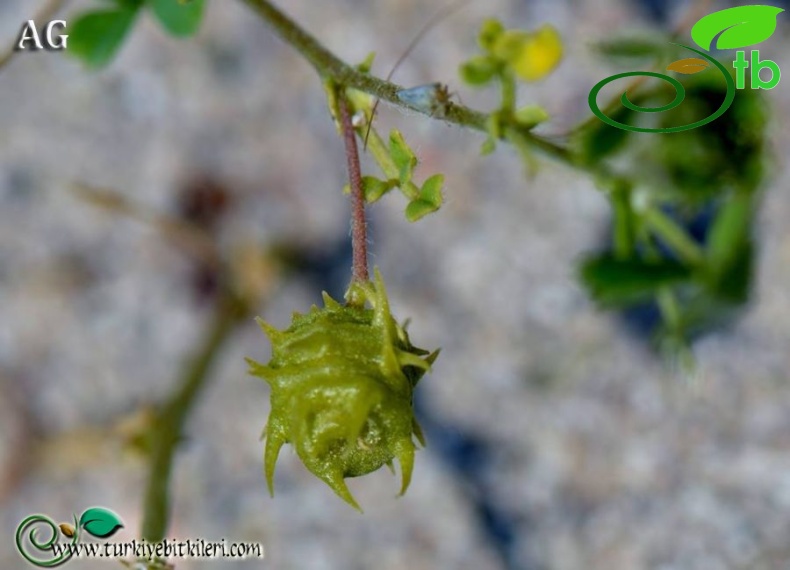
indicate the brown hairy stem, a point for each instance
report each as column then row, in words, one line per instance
column 359, row 225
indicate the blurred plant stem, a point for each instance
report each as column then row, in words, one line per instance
column 167, row 431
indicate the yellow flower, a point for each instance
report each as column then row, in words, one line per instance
column 540, row 52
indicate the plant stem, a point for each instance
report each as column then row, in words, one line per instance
column 359, row 225
column 664, row 228
column 624, row 234
column 329, row 66
column 167, row 432
column 508, row 82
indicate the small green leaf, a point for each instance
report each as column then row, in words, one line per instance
column 402, row 156
column 374, row 188
column 419, row 209
column 180, row 18
column 478, row 71
column 429, row 200
column 100, row 522
column 488, row 146
column 97, row 36
column 489, row 34
column 431, row 190
column 622, row 282
column 510, row 44
column 740, row 27
column 367, row 63
column 531, row 115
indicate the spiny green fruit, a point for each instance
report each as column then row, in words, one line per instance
column 341, row 383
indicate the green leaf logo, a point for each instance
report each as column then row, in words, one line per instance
column 100, row 522
column 736, row 28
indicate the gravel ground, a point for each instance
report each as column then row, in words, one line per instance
column 583, row 451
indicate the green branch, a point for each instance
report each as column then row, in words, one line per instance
column 329, row 66
column 674, row 235
column 167, row 432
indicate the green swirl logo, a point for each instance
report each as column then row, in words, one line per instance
column 33, row 524
column 732, row 28
column 96, row 521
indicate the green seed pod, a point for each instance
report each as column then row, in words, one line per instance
column 341, row 383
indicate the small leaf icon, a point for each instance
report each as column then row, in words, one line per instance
column 740, row 27
column 100, row 522
column 688, row 66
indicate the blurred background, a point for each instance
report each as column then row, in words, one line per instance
column 557, row 438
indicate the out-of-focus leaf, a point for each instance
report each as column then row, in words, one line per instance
column 531, row 115
column 478, row 71
column 729, row 248
column 489, row 34
column 367, row 63
column 488, row 146
column 729, row 230
column 615, row 282
column 600, row 140
column 96, row 36
column 180, row 18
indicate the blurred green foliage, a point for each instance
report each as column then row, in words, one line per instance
column 98, row 35
column 707, row 181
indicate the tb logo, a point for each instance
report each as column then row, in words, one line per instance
column 30, row 38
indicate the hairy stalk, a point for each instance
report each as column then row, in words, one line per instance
column 359, row 224
column 167, row 432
